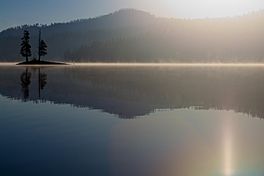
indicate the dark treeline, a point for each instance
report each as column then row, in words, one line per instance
column 131, row 35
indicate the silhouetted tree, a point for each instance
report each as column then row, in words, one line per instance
column 42, row 47
column 25, row 46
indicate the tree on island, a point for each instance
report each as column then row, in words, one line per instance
column 42, row 47
column 25, row 46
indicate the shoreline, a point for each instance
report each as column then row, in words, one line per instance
column 102, row 64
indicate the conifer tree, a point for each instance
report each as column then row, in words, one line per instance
column 25, row 46
column 42, row 49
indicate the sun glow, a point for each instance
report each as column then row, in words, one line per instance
column 214, row 8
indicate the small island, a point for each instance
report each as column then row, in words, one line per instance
column 37, row 62
column 42, row 51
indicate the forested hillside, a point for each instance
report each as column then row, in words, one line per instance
column 132, row 35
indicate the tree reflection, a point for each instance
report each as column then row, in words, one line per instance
column 25, row 79
column 136, row 92
column 42, row 82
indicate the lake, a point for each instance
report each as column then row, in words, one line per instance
column 132, row 121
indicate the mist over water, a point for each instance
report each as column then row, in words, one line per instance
column 147, row 64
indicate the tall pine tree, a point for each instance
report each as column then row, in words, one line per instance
column 42, row 49
column 25, row 46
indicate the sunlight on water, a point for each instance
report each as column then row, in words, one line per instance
column 228, row 156
column 228, row 151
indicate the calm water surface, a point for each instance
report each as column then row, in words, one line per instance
column 155, row 121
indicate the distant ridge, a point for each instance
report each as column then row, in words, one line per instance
column 130, row 35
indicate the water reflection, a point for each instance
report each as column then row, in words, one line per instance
column 192, row 133
column 25, row 79
column 42, row 81
column 133, row 92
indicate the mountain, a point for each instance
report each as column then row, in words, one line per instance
column 131, row 35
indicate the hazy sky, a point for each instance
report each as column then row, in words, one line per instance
column 17, row 12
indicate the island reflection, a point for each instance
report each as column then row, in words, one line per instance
column 133, row 92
